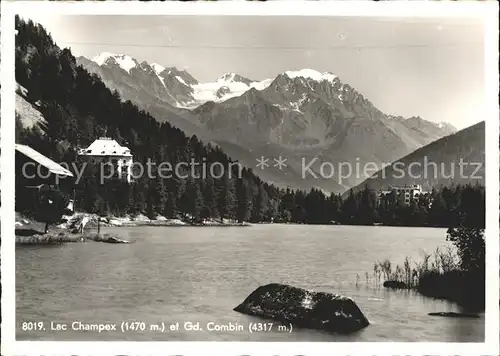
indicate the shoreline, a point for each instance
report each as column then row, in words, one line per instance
column 59, row 236
column 212, row 223
column 70, row 222
column 161, row 223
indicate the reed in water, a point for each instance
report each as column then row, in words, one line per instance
column 455, row 273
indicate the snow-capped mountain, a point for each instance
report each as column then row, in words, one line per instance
column 231, row 85
column 311, row 74
column 109, row 59
column 171, row 85
column 194, row 93
column 300, row 114
column 227, row 86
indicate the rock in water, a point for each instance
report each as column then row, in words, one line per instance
column 395, row 285
column 115, row 240
column 304, row 308
column 455, row 315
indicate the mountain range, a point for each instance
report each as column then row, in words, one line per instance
column 309, row 118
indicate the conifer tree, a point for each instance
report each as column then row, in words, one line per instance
column 226, row 200
column 210, row 199
column 243, row 200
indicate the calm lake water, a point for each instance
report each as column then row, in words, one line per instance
column 199, row 274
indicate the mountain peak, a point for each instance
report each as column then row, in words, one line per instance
column 235, row 78
column 158, row 68
column 227, row 76
column 444, row 124
column 181, row 75
column 122, row 60
column 446, row 127
column 311, row 74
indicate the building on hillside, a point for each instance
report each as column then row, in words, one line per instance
column 34, row 169
column 34, row 172
column 107, row 150
column 409, row 192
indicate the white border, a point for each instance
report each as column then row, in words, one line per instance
column 488, row 11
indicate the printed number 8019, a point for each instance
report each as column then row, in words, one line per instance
column 32, row 326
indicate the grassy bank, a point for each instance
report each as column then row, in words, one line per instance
column 34, row 237
column 465, row 288
column 52, row 237
column 438, row 275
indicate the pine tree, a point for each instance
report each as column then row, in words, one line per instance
column 243, row 200
column 260, row 205
column 226, row 199
column 210, row 199
column 192, row 200
column 367, row 206
column 171, row 206
column 50, row 207
column 140, row 203
column 20, row 132
column 437, row 212
column 333, row 207
column 159, row 192
column 349, row 208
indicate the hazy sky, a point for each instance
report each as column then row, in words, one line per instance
column 433, row 68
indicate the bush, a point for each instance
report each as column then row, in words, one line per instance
column 470, row 246
column 463, row 287
column 456, row 274
column 49, row 207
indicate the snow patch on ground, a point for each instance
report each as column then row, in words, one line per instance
column 141, row 217
column 115, row 222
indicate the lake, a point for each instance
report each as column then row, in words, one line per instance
column 199, row 274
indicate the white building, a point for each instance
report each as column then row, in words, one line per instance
column 410, row 192
column 105, row 149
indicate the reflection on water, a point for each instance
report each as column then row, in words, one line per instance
column 194, row 274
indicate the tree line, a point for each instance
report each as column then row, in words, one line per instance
column 79, row 108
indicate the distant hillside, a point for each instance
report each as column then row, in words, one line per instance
column 438, row 163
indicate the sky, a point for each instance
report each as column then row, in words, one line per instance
column 432, row 68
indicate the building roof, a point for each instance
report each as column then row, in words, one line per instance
column 39, row 158
column 105, row 146
column 406, row 186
